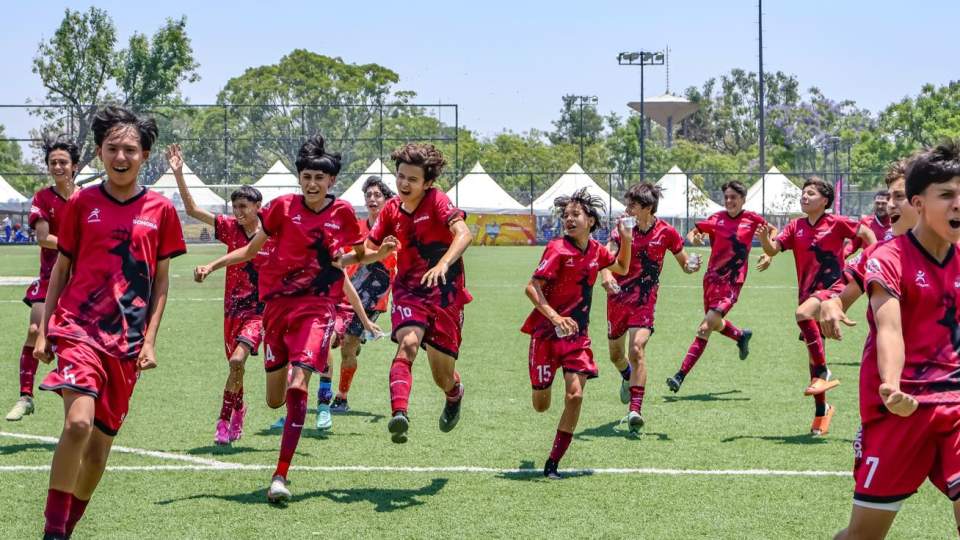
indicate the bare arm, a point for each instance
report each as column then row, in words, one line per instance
column 371, row 252
column 890, row 352
column 606, row 276
column 622, row 266
column 682, row 257
column 237, row 256
column 865, row 234
column 461, row 241
column 768, row 240
column 58, row 279
column 175, row 158
column 158, row 302
column 44, row 238
column 695, row 237
column 534, row 292
column 351, row 292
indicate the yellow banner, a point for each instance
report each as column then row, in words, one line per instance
column 502, row 229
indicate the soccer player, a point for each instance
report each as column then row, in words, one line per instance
column 910, row 374
column 731, row 234
column 561, row 291
column 429, row 291
column 242, row 309
column 107, row 293
column 632, row 298
column 46, row 211
column 372, row 282
column 879, row 222
column 817, row 243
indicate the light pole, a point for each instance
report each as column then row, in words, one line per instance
column 581, row 101
column 641, row 58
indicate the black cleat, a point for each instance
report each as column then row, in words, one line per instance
column 451, row 413
column 673, row 383
column 339, row 405
column 550, row 470
column 743, row 344
column 398, row 427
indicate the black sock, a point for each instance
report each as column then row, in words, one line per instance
column 680, row 376
column 625, row 373
column 821, row 409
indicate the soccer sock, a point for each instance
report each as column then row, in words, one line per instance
column 560, row 444
column 625, row 372
column 229, row 403
column 731, row 331
column 238, row 400
column 636, row 398
column 820, row 405
column 325, row 391
column 77, row 508
column 814, row 341
column 292, row 426
column 455, row 393
column 401, row 379
column 346, row 379
column 693, row 354
column 28, row 370
column 56, row 512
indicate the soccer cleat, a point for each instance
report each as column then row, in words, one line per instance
column 624, row 391
column 634, row 421
column 743, row 344
column 279, row 423
column 398, row 426
column 550, row 470
column 236, row 423
column 339, row 405
column 451, row 413
column 222, row 438
column 821, row 424
column 278, row 492
column 820, row 385
column 324, row 418
column 21, row 408
column 673, row 383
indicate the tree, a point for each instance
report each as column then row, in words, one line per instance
column 11, row 163
column 577, row 121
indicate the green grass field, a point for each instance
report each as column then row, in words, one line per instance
column 729, row 416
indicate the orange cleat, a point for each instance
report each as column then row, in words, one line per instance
column 819, row 386
column 821, row 424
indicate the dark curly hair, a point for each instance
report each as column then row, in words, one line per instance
column 61, row 142
column 423, row 155
column 314, row 156
column 645, row 194
column 377, row 182
column 250, row 193
column 591, row 204
column 933, row 166
column 112, row 116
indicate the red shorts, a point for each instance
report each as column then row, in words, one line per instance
column 720, row 297
column 298, row 331
column 893, row 455
column 442, row 327
column 247, row 330
column 36, row 292
column 84, row 369
column 549, row 353
column 621, row 317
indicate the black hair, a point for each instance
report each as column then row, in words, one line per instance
column 735, row 185
column 591, row 204
column 933, row 166
column 377, row 182
column 882, row 193
column 61, row 142
column 112, row 116
column 313, row 156
column 645, row 194
column 823, row 187
column 249, row 193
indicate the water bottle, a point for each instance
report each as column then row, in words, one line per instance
column 693, row 262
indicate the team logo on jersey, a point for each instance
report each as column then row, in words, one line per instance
column 956, row 283
column 331, row 225
column 570, row 262
column 142, row 221
column 296, row 219
column 34, row 210
column 800, row 233
column 94, row 216
column 542, row 265
column 655, row 242
column 720, row 221
column 873, row 265
column 921, row 279
column 421, row 218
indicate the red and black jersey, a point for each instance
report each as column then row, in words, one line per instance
column 372, row 281
column 114, row 248
column 640, row 284
column 880, row 227
column 241, row 296
column 425, row 237
column 730, row 241
column 305, row 244
column 568, row 275
column 47, row 205
column 817, row 250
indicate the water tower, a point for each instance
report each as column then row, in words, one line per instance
column 666, row 110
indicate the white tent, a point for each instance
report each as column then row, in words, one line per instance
column 781, row 196
column 678, row 192
column 10, row 199
column 571, row 181
column 87, row 173
column 478, row 193
column 354, row 193
column 278, row 181
column 166, row 185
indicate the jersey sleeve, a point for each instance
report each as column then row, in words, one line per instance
column 848, row 228
column 674, row 241
column 549, row 265
column 272, row 217
column 171, row 235
column 605, row 258
column 350, row 233
column 787, row 236
column 884, row 268
column 221, row 224
column 708, row 226
column 383, row 226
column 39, row 209
column 69, row 237
column 444, row 210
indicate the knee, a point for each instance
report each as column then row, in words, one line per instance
column 704, row 330
column 637, row 354
column 574, row 397
column 237, row 365
column 408, row 347
column 541, row 403
column 33, row 331
column 275, row 402
column 77, row 429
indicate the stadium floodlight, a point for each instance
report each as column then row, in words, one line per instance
column 642, row 58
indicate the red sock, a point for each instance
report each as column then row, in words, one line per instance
column 814, row 340
column 346, row 379
column 28, row 370
column 560, row 444
column 456, row 392
column 226, row 409
column 238, row 400
column 401, row 378
column 57, row 511
column 731, row 331
column 296, row 415
column 636, row 398
column 693, row 354
column 77, row 508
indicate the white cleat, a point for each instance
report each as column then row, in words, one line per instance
column 278, row 492
column 21, row 408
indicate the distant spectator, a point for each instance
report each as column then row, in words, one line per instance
column 204, row 235
column 7, row 228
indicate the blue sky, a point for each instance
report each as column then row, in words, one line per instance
column 507, row 63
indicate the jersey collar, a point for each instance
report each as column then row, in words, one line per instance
column 143, row 191
column 931, row 258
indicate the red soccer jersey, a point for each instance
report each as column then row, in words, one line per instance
column 928, row 292
column 568, row 275
column 730, row 239
column 114, row 248
column 817, row 250
column 372, row 281
column 305, row 243
column 241, row 296
column 425, row 237
column 640, row 284
column 875, row 224
column 47, row 205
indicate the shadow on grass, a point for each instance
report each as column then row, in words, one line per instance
column 383, row 500
column 25, row 447
column 802, row 438
column 614, row 430
column 710, row 396
column 215, row 450
column 374, row 418
column 528, row 471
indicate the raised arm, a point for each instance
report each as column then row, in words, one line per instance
column 865, row 234
column 175, row 158
column 237, row 256
column 622, row 266
column 461, row 241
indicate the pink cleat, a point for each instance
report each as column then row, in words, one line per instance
column 236, row 423
column 222, row 438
